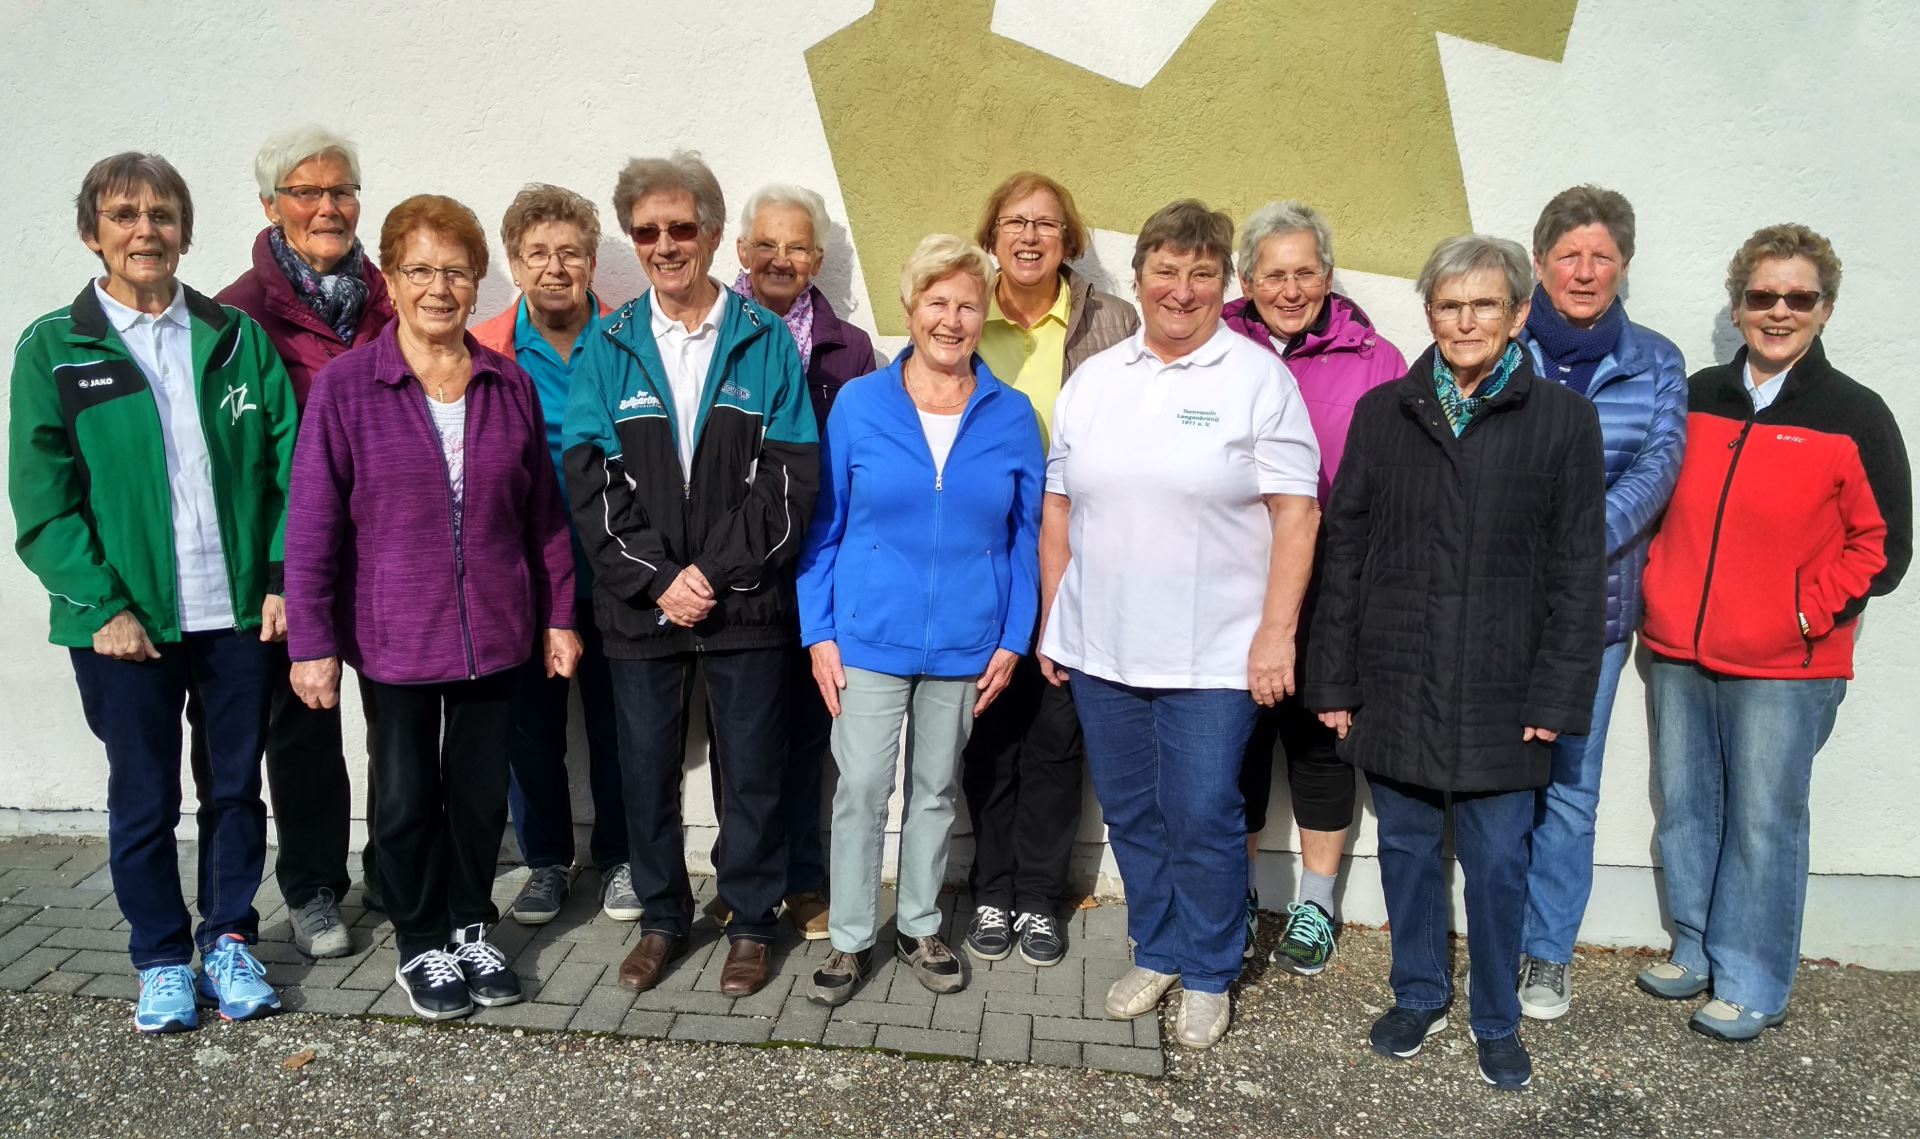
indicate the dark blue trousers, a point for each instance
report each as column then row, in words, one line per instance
column 538, row 794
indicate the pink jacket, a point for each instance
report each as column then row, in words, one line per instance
column 1335, row 363
column 496, row 332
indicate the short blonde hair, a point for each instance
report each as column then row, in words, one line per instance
column 1778, row 243
column 941, row 255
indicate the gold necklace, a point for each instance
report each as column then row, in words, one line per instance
column 932, row 406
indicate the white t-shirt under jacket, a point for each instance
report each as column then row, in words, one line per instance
column 1166, row 466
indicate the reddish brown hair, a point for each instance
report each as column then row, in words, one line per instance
column 443, row 216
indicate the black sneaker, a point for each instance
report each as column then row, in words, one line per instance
column 1040, row 940
column 1504, row 1063
column 435, row 988
column 988, row 938
column 834, row 982
column 1253, row 924
column 488, row 978
column 1402, row 1031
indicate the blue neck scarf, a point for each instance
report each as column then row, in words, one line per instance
column 1574, row 353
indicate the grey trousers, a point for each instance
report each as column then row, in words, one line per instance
column 866, row 749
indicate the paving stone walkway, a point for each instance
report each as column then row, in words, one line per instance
column 61, row 932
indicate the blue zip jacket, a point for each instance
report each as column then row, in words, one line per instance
column 918, row 573
column 1640, row 392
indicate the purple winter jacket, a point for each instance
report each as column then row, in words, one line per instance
column 1335, row 363
column 374, row 575
column 305, row 344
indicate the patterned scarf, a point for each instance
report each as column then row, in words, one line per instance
column 337, row 297
column 1461, row 409
column 799, row 318
column 1574, row 352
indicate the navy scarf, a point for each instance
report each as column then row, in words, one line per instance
column 337, row 297
column 1574, row 353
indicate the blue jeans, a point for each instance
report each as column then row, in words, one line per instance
column 134, row 707
column 537, row 793
column 1560, row 876
column 1734, row 757
column 1166, row 767
column 1490, row 840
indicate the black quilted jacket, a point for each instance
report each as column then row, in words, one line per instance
column 1463, row 594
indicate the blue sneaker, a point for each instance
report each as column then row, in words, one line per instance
column 235, row 980
column 166, row 1000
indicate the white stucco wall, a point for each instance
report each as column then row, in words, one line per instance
column 1711, row 118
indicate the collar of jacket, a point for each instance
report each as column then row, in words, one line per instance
column 1079, row 289
column 390, row 365
column 1809, row 372
column 740, row 321
column 89, row 320
column 1341, row 327
column 828, row 328
column 276, row 292
column 1417, row 384
column 985, row 384
column 1630, row 357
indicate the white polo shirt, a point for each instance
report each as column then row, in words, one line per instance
column 688, row 356
column 1166, row 466
column 163, row 347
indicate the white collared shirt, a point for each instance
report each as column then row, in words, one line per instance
column 688, row 356
column 1167, row 466
column 1762, row 395
column 163, row 347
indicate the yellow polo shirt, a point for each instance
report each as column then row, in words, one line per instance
column 1033, row 360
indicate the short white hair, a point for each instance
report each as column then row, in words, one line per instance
column 289, row 148
column 1459, row 256
column 939, row 256
column 787, row 194
column 1276, row 219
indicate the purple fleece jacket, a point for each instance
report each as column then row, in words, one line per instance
column 374, row 574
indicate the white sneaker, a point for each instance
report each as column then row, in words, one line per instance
column 1138, row 992
column 1546, row 988
column 1202, row 1019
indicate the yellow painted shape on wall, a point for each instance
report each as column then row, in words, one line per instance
column 1340, row 103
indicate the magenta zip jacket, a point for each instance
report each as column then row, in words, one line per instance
column 375, row 575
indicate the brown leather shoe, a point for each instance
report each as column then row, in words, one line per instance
column 648, row 961
column 746, row 968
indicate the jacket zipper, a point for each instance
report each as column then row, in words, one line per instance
column 1738, row 446
column 939, row 496
column 459, row 530
column 1800, row 621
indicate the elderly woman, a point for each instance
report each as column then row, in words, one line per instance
column 1457, row 631
column 1335, row 356
column 782, row 243
column 1178, row 534
column 1755, row 587
column 551, row 235
column 1021, row 771
column 316, row 294
column 427, row 547
column 1578, row 334
column 918, row 588
column 150, row 442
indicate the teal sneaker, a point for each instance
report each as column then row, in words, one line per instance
column 234, row 979
column 166, row 1000
column 1307, row 945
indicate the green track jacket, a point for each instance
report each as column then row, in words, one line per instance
column 87, row 468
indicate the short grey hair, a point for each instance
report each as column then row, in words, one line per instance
column 1186, row 226
column 787, row 194
column 1458, row 256
column 1276, row 219
column 938, row 256
column 1585, row 205
column 682, row 170
column 288, row 149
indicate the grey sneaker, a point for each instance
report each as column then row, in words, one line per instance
column 933, row 964
column 1736, row 1024
column 317, row 928
column 1546, row 988
column 540, row 899
column 617, row 899
column 1202, row 1019
column 834, row 982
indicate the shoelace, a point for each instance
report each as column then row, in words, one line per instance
column 439, row 967
column 936, row 950
column 1306, row 925
column 621, row 880
column 1552, row 974
column 320, row 912
column 989, row 917
column 1039, row 925
column 840, row 962
column 167, row 982
column 484, row 956
column 231, row 962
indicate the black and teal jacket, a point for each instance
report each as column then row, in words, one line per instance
column 740, row 516
column 87, row 467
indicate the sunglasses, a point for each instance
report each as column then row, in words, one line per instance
column 1763, row 300
column 679, row 231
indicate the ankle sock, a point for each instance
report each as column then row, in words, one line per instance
column 1318, row 889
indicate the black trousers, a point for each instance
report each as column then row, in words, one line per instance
column 439, row 767
column 1320, row 783
column 1021, row 773
column 307, row 784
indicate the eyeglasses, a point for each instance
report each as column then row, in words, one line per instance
column 679, row 231
column 1484, row 308
column 1013, row 224
column 540, row 258
column 1763, row 300
column 310, row 195
column 792, row 251
column 1301, row 278
column 126, row 217
column 422, row 276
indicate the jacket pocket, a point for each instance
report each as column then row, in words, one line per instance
column 890, row 600
column 972, row 607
